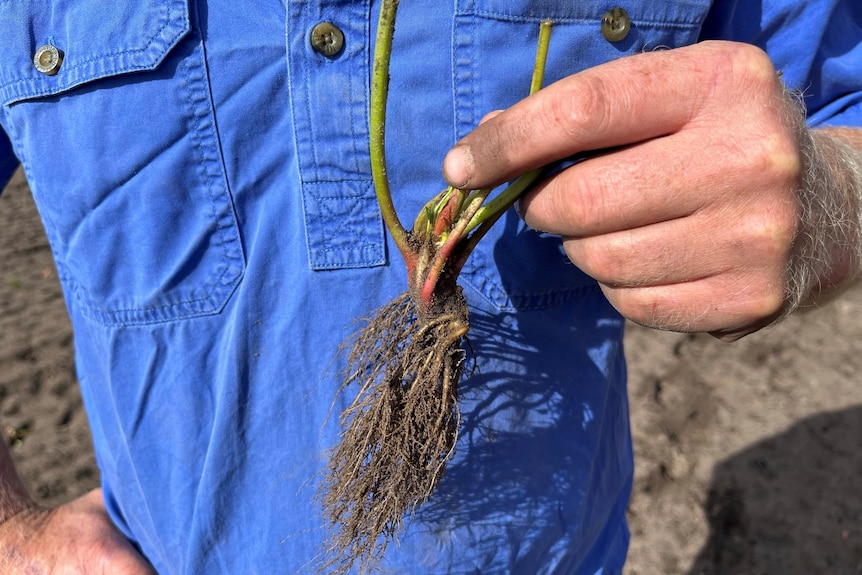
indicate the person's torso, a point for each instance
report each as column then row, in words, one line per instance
column 204, row 178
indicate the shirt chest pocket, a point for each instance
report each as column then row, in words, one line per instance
column 494, row 46
column 119, row 143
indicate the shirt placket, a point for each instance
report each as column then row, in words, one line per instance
column 329, row 99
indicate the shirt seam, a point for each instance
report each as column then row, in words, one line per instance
column 504, row 17
column 16, row 88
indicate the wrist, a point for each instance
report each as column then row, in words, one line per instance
column 827, row 251
column 14, row 498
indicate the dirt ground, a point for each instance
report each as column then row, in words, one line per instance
column 749, row 455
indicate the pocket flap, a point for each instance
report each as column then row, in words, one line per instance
column 96, row 39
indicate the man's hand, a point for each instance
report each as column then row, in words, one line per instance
column 687, row 213
column 77, row 538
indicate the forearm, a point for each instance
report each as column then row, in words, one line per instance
column 846, row 165
column 828, row 251
column 14, row 497
column 850, row 136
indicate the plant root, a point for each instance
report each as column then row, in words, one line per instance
column 400, row 430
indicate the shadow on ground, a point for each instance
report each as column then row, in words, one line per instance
column 769, row 504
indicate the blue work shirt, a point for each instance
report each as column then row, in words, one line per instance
column 203, row 175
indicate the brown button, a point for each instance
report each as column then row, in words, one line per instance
column 616, row 24
column 48, row 59
column 327, row 39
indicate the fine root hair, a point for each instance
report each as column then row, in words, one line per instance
column 400, row 430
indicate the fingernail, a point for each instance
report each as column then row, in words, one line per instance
column 458, row 167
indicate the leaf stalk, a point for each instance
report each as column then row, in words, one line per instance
column 377, row 126
column 449, row 226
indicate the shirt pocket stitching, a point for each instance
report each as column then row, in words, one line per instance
column 222, row 262
column 174, row 24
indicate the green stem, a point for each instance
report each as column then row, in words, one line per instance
column 541, row 56
column 496, row 208
column 505, row 199
column 377, row 124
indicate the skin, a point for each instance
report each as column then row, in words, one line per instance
column 77, row 538
column 687, row 215
column 693, row 146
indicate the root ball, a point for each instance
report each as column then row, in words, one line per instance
column 400, row 430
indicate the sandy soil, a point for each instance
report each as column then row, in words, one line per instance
column 749, row 455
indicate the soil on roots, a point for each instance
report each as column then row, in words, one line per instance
column 401, row 429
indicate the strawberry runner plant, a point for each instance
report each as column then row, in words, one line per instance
column 400, row 430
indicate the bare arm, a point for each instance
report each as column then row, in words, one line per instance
column 73, row 539
column 14, row 497
column 828, row 247
column 76, row 538
column 851, row 136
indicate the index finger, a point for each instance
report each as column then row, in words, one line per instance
column 622, row 102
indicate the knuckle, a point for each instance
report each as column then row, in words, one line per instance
column 768, row 169
column 582, row 108
column 768, row 233
column 587, row 205
column 738, row 72
column 590, row 198
column 768, row 304
column 615, row 260
column 779, row 161
column 758, row 299
column 755, row 294
column 569, row 206
column 771, row 239
column 747, row 63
